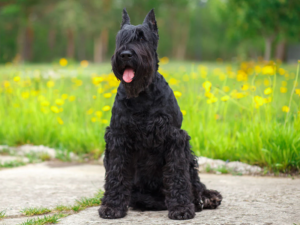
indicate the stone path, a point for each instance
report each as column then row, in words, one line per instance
column 247, row 200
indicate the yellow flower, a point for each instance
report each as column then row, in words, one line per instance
column 283, row 89
column 245, row 87
column 17, row 79
column 173, row 81
column 225, row 98
column 212, row 100
column 226, row 89
column 183, row 112
column 72, row 98
column 268, row 70
column 107, row 95
column 25, row 94
column 284, row 83
column 207, row 86
column 114, row 91
column 94, row 96
column 106, row 108
column 44, row 110
column 177, row 94
column 266, row 82
column 50, row 83
column 6, row 84
column 84, row 63
column 78, row 83
column 98, row 113
column 64, row 96
column 60, row 121
column 54, row 109
column 93, row 119
column 281, row 71
column 90, row 111
column 257, row 69
column 267, row 100
column 297, row 91
column 253, row 88
column 104, row 121
column 164, row 60
column 45, row 103
column 97, row 80
column 59, row 102
column 259, row 101
column 268, row 91
column 100, row 90
column 285, row 109
column 63, row 62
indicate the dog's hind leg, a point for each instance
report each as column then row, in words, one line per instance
column 203, row 198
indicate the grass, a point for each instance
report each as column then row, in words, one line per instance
column 2, row 214
column 35, row 211
column 246, row 112
column 12, row 164
column 52, row 219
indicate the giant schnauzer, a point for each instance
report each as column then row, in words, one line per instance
column 148, row 159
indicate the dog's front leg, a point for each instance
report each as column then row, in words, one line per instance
column 118, row 180
column 176, row 177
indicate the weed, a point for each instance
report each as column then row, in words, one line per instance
column 52, row 219
column 35, row 211
column 11, row 164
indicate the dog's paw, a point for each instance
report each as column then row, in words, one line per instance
column 182, row 212
column 106, row 212
column 211, row 199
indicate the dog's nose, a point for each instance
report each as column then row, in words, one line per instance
column 126, row 55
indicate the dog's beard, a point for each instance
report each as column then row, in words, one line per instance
column 144, row 66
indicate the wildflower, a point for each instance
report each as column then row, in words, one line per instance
column 107, row 95
column 242, row 76
column 268, row 70
column 6, row 84
column 259, row 101
column 226, row 89
column 164, row 60
column 245, row 87
column 212, row 100
column 114, row 91
column 97, row 80
column 90, row 111
column 45, row 103
column 253, row 88
column 267, row 100
column 285, row 109
column 54, row 109
column 225, row 98
column 268, row 91
column 104, row 121
column 72, row 98
column 106, row 108
column 177, row 94
column 84, row 63
column 50, row 84
column 25, row 94
column 284, row 83
column 281, row 71
column 283, row 89
column 17, row 79
column 173, row 81
column 93, row 119
column 183, row 112
column 100, row 90
column 257, row 69
column 94, row 96
column 267, row 82
column 297, row 91
column 64, row 96
column 60, row 121
column 63, row 62
column 98, row 113
column 59, row 102
column 207, row 86
column 78, row 83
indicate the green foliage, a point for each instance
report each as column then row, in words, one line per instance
column 11, row 164
column 53, row 219
column 2, row 214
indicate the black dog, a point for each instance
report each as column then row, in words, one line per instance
column 148, row 160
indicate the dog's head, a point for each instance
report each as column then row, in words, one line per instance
column 135, row 59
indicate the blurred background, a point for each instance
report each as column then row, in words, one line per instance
column 44, row 31
column 233, row 66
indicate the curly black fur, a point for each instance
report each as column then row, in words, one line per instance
column 148, row 159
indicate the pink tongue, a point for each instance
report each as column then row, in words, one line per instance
column 128, row 75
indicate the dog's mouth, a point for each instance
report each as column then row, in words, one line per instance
column 128, row 74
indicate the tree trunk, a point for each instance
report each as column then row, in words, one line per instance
column 20, row 46
column 268, row 47
column 280, row 50
column 100, row 46
column 51, row 39
column 29, row 34
column 71, row 44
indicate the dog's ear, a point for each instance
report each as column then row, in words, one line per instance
column 126, row 19
column 151, row 22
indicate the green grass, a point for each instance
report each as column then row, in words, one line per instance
column 52, row 219
column 12, row 164
column 2, row 214
column 237, row 129
column 37, row 157
column 35, row 211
